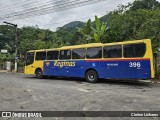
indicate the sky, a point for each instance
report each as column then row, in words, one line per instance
column 58, row 19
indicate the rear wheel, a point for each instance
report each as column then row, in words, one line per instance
column 39, row 74
column 91, row 76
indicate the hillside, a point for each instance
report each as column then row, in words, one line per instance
column 80, row 24
column 74, row 24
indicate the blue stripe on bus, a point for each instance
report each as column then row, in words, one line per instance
column 116, row 69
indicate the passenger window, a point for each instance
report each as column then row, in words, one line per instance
column 94, row 52
column 112, row 51
column 65, row 54
column 52, row 55
column 40, row 55
column 135, row 50
column 78, row 53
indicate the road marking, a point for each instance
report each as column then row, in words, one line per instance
column 82, row 90
column 25, row 102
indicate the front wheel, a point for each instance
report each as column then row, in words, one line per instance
column 39, row 74
column 91, row 76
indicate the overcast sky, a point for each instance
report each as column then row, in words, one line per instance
column 58, row 19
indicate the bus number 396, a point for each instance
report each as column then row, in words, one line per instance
column 134, row 64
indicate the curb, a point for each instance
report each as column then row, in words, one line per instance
column 155, row 81
column 4, row 71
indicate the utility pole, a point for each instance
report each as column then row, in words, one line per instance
column 16, row 43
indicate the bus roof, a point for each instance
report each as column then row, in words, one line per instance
column 90, row 45
column 42, row 50
column 82, row 46
column 70, row 47
column 125, row 42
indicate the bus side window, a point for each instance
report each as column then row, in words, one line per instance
column 134, row 50
column 41, row 55
column 94, row 52
column 65, row 54
column 78, row 53
column 52, row 55
column 112, row 51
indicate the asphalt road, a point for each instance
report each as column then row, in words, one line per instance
column 20, row 92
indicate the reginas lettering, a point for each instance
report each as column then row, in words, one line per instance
column 64, row 64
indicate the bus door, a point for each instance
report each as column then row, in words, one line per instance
column 29, row 68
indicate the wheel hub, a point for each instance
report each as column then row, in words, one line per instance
column 91, row 77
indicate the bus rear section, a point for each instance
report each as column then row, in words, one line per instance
column 130, row 60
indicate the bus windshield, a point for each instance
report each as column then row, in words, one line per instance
column 30, row 58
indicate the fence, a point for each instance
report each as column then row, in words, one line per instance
column 9, row 66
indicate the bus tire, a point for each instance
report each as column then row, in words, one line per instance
column 39, row 74
column 91, row 76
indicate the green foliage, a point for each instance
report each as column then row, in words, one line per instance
column 99, row 31
column 138, row 24
column 92, row 34
column 87, row 32
column 5, row 57
column 8, row 47
column 21, row 63
column 144, row 4
column 74, row 24
column 137, row 20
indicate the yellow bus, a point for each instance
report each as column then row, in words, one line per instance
column 119, row 60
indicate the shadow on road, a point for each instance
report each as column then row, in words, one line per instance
column 138, row 83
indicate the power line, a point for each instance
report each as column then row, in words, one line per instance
column 55, row 10
column 68, row 20
column 46, row 5
column 19, row 7
column 45, row 25
column 49, row 9
column 17, row 4
column 43, row 7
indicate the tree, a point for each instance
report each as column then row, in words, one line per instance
column 138, row 24
column 92, row 34
column 99, row 31
column 63, row 37
column 87, row 32
column 8, row 47
column 144, row 4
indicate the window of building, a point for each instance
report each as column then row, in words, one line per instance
column 135, row 50
column 78, row 53
column 52, row 55
column 41, row 55
column 65, row 54
column 94, row 52
column 112, row 51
